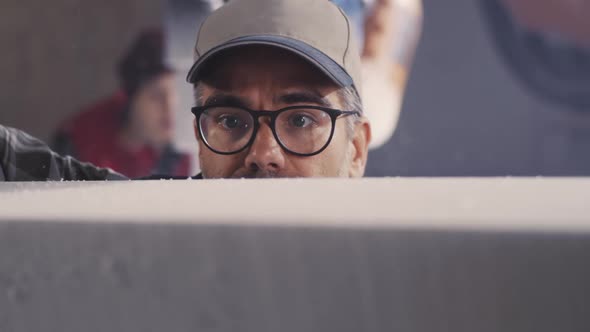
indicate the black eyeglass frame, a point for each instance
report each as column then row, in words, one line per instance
column 273, row 115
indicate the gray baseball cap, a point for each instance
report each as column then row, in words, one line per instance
column 316, row 30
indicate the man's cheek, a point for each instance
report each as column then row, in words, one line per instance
column 304, row 166
column 219, row 166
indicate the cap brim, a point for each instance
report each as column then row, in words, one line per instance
column 324, row 63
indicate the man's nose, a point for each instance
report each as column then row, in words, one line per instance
column 265, row 153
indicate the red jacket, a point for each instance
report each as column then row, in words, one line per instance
column 91, row 136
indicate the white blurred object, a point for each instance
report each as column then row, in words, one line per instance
column 391, row 32
column 214, row 4
column 382, row 101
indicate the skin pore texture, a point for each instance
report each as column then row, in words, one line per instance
column 151, row 118
column 268, row 78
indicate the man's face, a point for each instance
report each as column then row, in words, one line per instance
column 267, row 78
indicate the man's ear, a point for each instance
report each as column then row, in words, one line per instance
column 360, row 148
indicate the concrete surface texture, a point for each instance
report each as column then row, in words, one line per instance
column 465, row 203
column 414, row 255
column 92, row 277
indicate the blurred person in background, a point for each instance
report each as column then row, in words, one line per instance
column 131, row 131
column 388, row 31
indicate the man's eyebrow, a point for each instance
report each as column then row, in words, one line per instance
column 304, row 97
column 223, row 99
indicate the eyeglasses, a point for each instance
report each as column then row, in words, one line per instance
column 300, row 130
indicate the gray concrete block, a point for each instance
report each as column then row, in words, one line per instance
column 163, row 277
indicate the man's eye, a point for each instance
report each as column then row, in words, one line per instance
column 300, row 121
column 230, row 122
